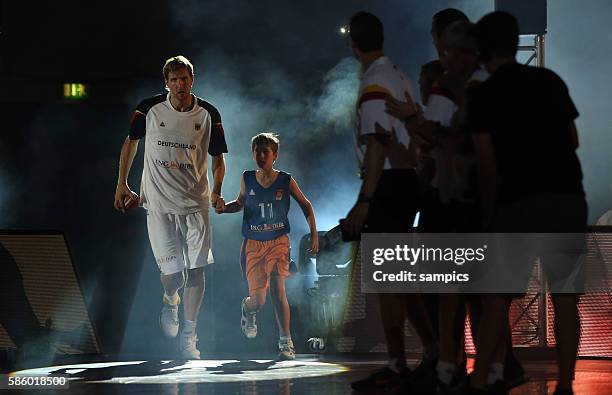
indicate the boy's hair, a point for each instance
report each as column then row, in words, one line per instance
column 443, row 19
column 266, row 138
column 176, row 63
column 497, row 34
column 366, row 31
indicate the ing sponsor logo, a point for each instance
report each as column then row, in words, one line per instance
column 173, row 165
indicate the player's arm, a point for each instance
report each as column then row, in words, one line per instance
column 308, row 211
column 126, row 158
column 374, row 133
column 487, row 176
column 439, row 111
column 373, row 163
column 218, row 173
column 235, row 205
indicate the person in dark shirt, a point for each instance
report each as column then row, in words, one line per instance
column 522, row 119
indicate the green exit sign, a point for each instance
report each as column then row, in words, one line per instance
column 75, row 91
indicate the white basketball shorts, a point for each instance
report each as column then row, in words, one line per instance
column 180, row 241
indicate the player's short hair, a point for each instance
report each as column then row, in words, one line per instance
column 366, row 31
column 265, row 138
column 432, row 71
column 443, row 19
column 176, row 63
column 497, row 34
column 460, row 35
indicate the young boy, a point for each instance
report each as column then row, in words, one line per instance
column 264, row 195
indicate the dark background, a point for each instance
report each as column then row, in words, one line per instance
column 267, row 65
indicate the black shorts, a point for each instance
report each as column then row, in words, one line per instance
column 550, row 213
column 394, row 203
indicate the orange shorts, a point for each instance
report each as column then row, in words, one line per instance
column 264, row 258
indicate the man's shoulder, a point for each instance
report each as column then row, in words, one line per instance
column 146, row 104
column 385, row 74
column 212, row 110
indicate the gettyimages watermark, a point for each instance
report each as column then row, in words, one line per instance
column 485, row 262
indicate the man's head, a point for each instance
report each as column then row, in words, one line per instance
column 177, row 63
column 430, row 73
column 265, row 149
column 497, row 37
column 461, row 50
column 366, row 33
column 440, row 21
column 178, row 75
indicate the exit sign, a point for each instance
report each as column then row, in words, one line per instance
column 75, row 91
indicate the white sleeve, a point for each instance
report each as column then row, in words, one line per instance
column 372, row 112
column 440, row 109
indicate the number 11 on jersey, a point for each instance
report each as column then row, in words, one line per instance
column 263, row 210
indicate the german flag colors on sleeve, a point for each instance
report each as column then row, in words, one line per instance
column 371, row 110
column 373, row 92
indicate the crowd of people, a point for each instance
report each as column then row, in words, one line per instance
column 489, row 148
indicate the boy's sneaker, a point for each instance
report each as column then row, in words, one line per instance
column 247, row 322
column 168, row 318
column 286, row 351
column 188, row 346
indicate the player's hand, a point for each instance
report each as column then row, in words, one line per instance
column 220, row 207
column 213, row 199
column 400, row 109
column 121, row 194
column 356, row 218
column 314, row 244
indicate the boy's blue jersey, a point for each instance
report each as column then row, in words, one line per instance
column 265, row 209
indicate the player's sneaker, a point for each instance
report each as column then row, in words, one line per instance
column 248, row 321
column 188, row 346
column 168, row 318
column 384, row 378
column 286, row 351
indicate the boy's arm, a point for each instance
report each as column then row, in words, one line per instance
column 308, row 211
column 235, row 205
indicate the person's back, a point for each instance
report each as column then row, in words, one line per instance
column 384, row 79
column 531, row 115
column 522, row 120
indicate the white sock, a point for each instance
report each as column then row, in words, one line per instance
column 495, row 373
column 189, row 326
column 397, row 364
column 284, row 338
column 446, row 371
